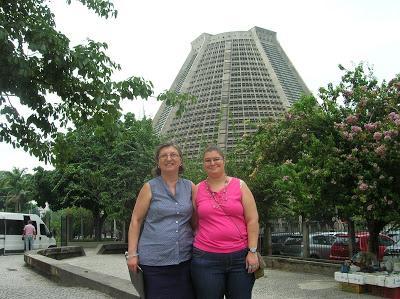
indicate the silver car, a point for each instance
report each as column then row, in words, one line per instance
column 393, row 250
column 320, row 245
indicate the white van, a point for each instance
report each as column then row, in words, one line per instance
column 11, row 227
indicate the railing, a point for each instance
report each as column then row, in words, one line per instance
column 326, row 240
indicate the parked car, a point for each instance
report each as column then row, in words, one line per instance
column 393, row 250
column 395, row 235
column 340, row 248
column 277, row 240
column 293, row 246
column 320, row 245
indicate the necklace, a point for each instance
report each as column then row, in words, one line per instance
column 218, row 198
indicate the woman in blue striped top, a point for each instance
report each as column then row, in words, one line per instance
column 160, row 235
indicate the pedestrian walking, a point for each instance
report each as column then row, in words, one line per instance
column 29, row 234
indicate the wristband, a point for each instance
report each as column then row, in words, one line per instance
column 129, row 256
column 253, row 249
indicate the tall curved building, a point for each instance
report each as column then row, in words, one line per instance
column 238, row 78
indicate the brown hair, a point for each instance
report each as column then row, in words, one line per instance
column 156, row 170
column 214, row 148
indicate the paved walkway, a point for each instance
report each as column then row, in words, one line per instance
column 276, row 284
column 18, row 281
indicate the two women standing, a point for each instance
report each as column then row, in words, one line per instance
column 225, row 224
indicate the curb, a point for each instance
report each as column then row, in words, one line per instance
column 302, row 265
column 70, row 275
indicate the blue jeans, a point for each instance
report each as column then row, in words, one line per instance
column 28, row 242
column 217, row 274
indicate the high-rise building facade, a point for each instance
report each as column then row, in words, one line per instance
column 239, row 78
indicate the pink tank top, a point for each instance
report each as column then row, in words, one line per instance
column 216, row 231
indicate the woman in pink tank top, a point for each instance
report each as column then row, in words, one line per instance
column 225, row 245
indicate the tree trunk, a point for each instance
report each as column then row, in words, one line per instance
column 98, row 225
column 374, row 228
column 352, row 238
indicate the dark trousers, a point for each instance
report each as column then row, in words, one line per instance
column 168, row 282
column 217, row 274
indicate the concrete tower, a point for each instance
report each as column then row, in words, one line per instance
column 238, row 78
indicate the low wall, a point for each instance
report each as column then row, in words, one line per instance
column 112, row 248
column 60, row 253
column 302, row 265
column 70, row 275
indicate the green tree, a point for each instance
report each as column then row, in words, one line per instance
column 342, row 154
column 367, row 160
column 14, row 189
column 45, row 83
column 41, row 188
column 103, row 167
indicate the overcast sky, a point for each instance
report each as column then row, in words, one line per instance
column 152, row 38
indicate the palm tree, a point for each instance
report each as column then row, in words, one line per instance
column 14, row 186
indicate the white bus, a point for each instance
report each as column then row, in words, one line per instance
column 11, row 227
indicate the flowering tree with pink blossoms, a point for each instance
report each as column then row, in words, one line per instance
column 338, row 154
column 367, row 155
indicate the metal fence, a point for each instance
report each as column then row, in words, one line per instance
column 329, row 240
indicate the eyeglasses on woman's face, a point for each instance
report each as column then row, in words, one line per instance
column 165, row 156
column 211, row 160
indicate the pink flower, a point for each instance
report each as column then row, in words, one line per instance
column 370, row 126
column 339, row 126
column 377, row 136
column 393, row 116
column 351, row 119
column 397, row 122
column 285, row 178
column 391, row 133
column 348, row 136
column 347, row 93
column 356, row 129
column 387, row 137
column 362, row 186
column 380, row 150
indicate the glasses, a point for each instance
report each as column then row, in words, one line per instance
column 215, row 160
column 171, row 155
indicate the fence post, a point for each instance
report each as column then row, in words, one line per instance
column 306, row 238
column 63, row 232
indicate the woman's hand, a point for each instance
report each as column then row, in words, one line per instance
column 252, row 262
column 133, row 263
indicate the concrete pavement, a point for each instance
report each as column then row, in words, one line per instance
column 17, row 281
column 111, row 273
